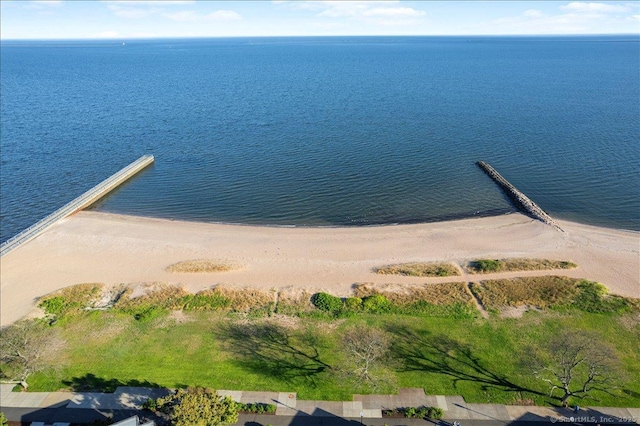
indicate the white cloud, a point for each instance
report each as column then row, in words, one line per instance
column 224, row 15
column 183, row 16
column 393, row 11
column 595, row 7
column 129, row 12
column 46, row 2
column 573, row 18
column 533, row 13
column 42, row 4
column 191, row 16
column 151, row 2
column 373, row 12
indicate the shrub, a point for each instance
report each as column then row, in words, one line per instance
column 256, row 408
column 327, row 302
column 376, row 304
column 435, row 413
column 486, row 265
column 353, row 304
column 54, row 306
column 150, row 404
column 421, row 412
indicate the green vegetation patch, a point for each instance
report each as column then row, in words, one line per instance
column 419, row 269
column 443, row 300
column 421, row 412
column 71, row 300
column 436, row 294
column 256, row 408
column 487, row 266
column 551, row 292
column 150, row 300
column 480, row 359
column 433, row 338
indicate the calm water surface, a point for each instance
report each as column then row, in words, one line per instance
column 323, row 131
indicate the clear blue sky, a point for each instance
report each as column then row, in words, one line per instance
column 22, row 19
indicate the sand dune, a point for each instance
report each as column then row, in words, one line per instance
column 113, row 249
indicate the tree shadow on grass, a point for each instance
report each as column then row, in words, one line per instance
column 275, row 350
column 91, row 383
column 442, row 355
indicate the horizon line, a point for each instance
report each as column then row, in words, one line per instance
column 317, row 36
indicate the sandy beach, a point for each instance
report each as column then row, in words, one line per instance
column 114, row 249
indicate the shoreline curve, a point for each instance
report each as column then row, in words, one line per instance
column 110, row 248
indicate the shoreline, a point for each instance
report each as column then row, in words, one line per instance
column 112, row 249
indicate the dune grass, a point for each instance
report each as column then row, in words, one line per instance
column 516, row 264
column 202, row 266
column 477, row 266
column 437, row 294
column 418, row 269
column 551, row 292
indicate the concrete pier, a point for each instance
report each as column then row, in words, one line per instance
column 521, row 201
column 82, row 202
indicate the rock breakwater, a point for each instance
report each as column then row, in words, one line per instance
column 520, row 200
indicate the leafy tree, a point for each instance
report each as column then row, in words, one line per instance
column 199, row 406
column 365, row 346
column 575, row 364
column 3, row 419
column 24, row 347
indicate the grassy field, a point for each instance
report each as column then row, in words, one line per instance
column 214, row 346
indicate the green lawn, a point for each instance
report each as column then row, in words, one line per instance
column 479, row 359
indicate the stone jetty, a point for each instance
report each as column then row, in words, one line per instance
column 520, row 200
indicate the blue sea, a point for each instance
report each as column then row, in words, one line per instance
column 334, row 131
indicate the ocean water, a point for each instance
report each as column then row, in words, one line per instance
column 323, row 131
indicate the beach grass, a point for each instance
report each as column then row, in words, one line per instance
column 437, row 293
column 551, row 291
column 202, row 266
column 419, row 269
column 516, row 264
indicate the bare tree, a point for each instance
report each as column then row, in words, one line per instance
column 577, row 363
column 364, row 346
column 23, row 349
